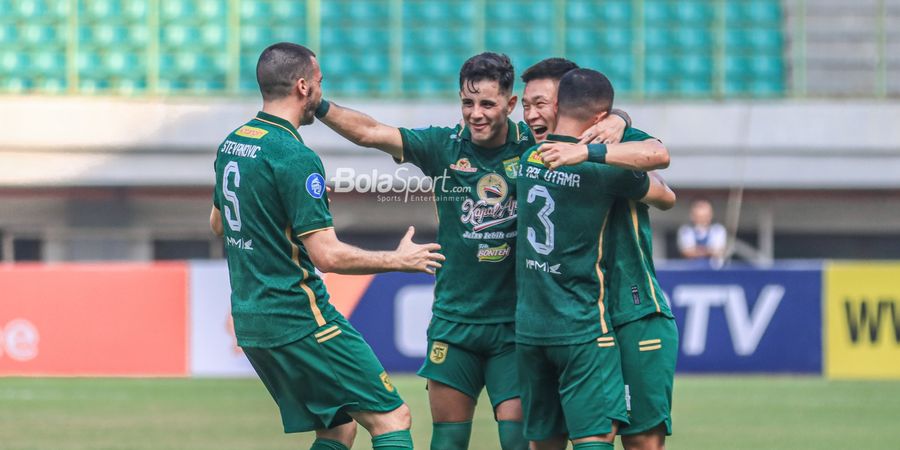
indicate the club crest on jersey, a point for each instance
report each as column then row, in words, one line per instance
column 315, row 185
column 511, row 166
column 251, row 132
column 493, row 254
column 438, row 352
column 386, row 381
column 463, row 165
column 535, row 157
column 492, row 189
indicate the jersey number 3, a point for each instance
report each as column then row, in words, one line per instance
column 233, row 211
column 545, row 247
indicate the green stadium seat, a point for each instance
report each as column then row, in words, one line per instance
column 735, row 87
column 765, row 66
column 104, row 35
column 213, row 35
column 92, row 85
column 256, row 37
column 138, row 36
column 128, row 86
column 695, row 65
column 118, row 63
column 290, row 11
column 176, row 11
column 693, row 39
column 659, row 39
column 28, row 9
column 42, row 35
column 50, row 85
column 99, row 10
column 581, row 13
column 8, row 34
column 373, row 64
column 660, row 65
column 769, row 40
column 580, row 39
column 616, row 12
column 437, row 13
column 367, row 11
column 14, row 85
column 134, row 10
column 172, row 86
column 248, row 65
column 252, row 13
column 763, row 12
column 658, row 87
column 248, row 85
column 767, row 87
column 12, row 62
column 88, row 63
column 179, row 36
column 332, row 12
column 618, row 39
column 737, row 66
column 205, row 86
column 658, row 13
column 48, row 63
column 337, row 65
column 211, row 10
column 694, row 87
column 694, row 13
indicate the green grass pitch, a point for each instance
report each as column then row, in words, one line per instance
column 710, row 413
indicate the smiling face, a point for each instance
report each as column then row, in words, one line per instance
column 485, row 109
column 539, row 104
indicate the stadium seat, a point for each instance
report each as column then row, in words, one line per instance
column 615, row 12
column 179, row 36
column 695, row 65
column 47, row 63
column 12, row 62
column 212, row 35
column 134, row 10
column 660, row 65
column 8, row 34
column 119, row 63
column 657, row 13
column 290, row 11
column 659, row 40
column 176, row 11
column 211, row 10
column 50, row 85
column 581, row 13
column 14, row 85
column 367, row 11
column 256, row 36
column 98, row 10
column 253, row 12
column 128, row 85
column 288, row 33
column 42, row 35
column 694, row 87
column 693, row 39
column 694, row 13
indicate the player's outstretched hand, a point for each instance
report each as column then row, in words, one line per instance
column 607, row 131
column 558, row 154
column 418, row 257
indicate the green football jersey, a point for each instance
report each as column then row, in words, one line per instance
column 631, row 281
column 562, row 217
column 270, row 190
column 475, row 197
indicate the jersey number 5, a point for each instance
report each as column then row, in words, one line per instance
column 232, row 212
column 545, row 247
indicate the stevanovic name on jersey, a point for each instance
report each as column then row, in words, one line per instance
column 631, row 281
column 475, row 196
column 562, row 215
column 270, row 189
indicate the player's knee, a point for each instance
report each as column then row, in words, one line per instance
column 400, row 418
column 509, row 410
column 345, row 434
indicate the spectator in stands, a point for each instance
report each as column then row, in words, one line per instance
column 702, row 239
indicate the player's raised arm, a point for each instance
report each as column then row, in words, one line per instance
column 361, row 129
column 329, row 254
column 659, row 195
column 645, row 155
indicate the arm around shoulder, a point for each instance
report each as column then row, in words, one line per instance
column 329, row 254
column 364, row 130
column 650, row 154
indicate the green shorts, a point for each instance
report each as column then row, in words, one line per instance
column 649, row 348
column 469, row 357
column 573, row 390
column 318, row 379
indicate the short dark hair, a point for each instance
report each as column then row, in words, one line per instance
column 584, row 93
column 552, row 68
column 280, row 66
column 488, row 66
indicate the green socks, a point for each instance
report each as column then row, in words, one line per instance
column 327, row 444
column 395, row 440
column 512, row 435
column 594, row 446
column 450, row 435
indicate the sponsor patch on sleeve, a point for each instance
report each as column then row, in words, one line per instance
column 315, row 185
column 535, row 158
column 251, row 132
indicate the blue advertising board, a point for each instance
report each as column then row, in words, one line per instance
column 732, row 320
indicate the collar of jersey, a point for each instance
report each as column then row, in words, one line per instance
column 561, row 138
column 512, row 133
column 279, row 123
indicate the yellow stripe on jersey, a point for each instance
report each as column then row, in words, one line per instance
column 328, row 337
column 293, row 133
column 637, row 240
column 606, row 344
column 306, row 233
column 600, row 298
column 650, row 341
column 326, row 331
column 605, row 339
column 295, row 256
column 651, row 348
